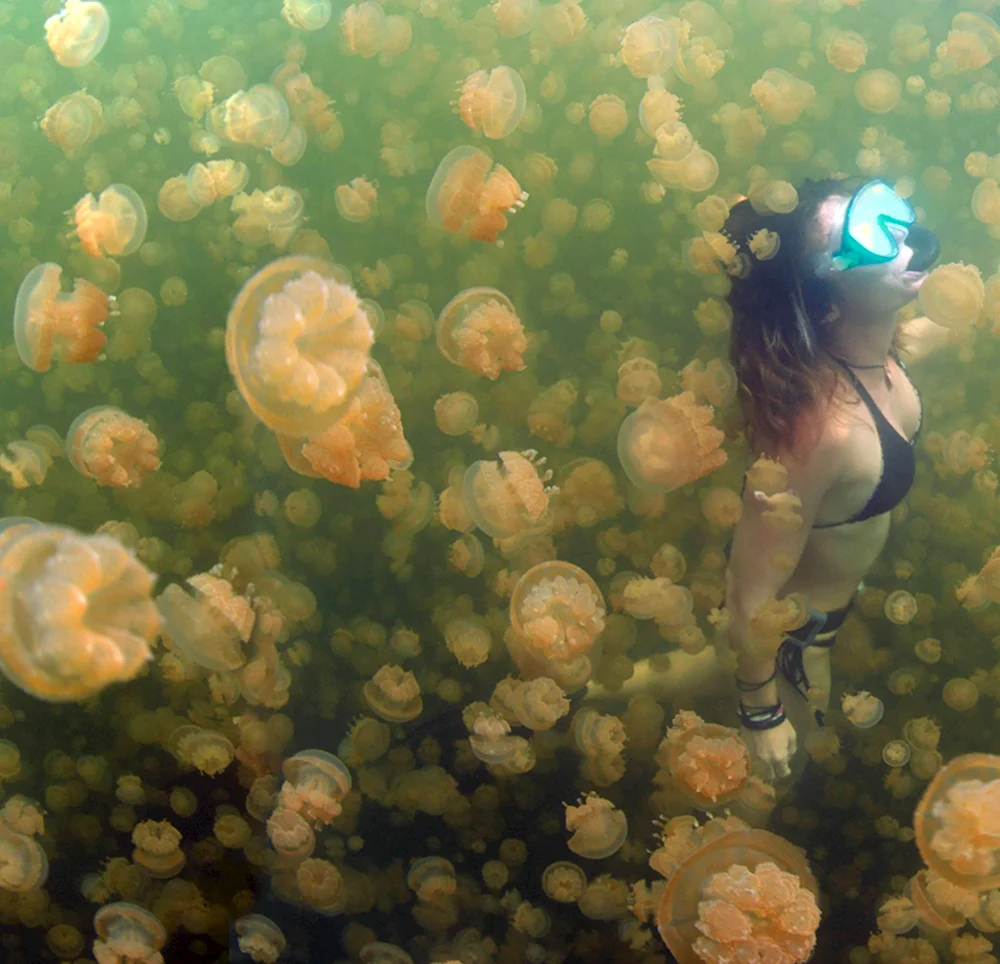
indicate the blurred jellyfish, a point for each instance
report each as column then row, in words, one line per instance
column 953, row 295
column 394, row 694
column 297, row 345
column 307, row 14
column 73, row 122
column 76, row 612
column 127, row 932
column 862, row 709
column 599, row 828
column 492, row 102
column 112, row 225
column 112, row 447
column 649, row 46
column 259, row 938
column 77, row 34
column 50, row 323
column 507, row 496
column 356, row 201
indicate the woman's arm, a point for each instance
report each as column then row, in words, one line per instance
column 922, row 337
column 763, row 558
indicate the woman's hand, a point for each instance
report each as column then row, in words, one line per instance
column 772, row 749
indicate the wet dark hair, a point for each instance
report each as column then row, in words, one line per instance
column 781, row 332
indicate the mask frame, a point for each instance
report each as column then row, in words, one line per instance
column 867, row 238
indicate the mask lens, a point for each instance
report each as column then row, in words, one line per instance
column 870, row 215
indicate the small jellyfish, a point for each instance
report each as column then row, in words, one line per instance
column 480, row 330
column 316, row 783
column 900, row 607
column 73, row 122
column 127, row 933
column 394, row 694
column 364, row 28
column 557, row 611
column 25, row 463
column 50, row 323
column 846, row 50
column 667, row 443
column 515, row 18
column 111, row 447
column 466, row 197
column 507, row 496
column 649, row 46
column 607, row 116
column 290, row 834
column 297, row 344
column 206, row 750
column 956, row 822
column 599, row 827
column 953, row 295
column 564, row 881
column 491, row 741
column 782, row 96
column 878, row 91
column 259, row 938
column 259, row 117
column 709, row 762
column 157, row 848
column 492, row 102
column 76, row 613
column 307, row 14
column 77, row 34
column 175, row 202
column 112, row 225
column 456, row 413
column 862, row 709
column 356, row 201
column 23, row 864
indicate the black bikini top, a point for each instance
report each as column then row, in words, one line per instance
column 899, row 463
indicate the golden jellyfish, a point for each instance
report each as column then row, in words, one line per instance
column 175, row 202
column 297, row 344
column 77, row 34
column 112, row 225
column 507, row 496
column 356, row 201
column 782, row 96
column 128, row 934
column 364, row 28
column 667, row 443
column 208, row 751
column 955, row 822
column 514, row 18
column 537, row 704
column 607, row 116
column 557, row 611
column 564, row 881
column 51, row 323
column 953, row 295
column 710, row 763
column 490, row 739
column 599, row 828
column 316, row 783
column 737, row 893
column 290, row 833
column 366, row 444
column 900, row 607
column 878, row 91
column 157, row 848
column 862, row 709
column 208, row 622
column 25, row 463
column 960, row 694
column 456, row 413
column 394, row 694
column 259, row 938
column 649, row 46
column 469, row 196
column 76, row 612
column 111, row 447
column 846, row 50
column 307, row 14
column 23, row 863
column 492, row 102
column 259, row 117
column 468, row 640
column 73, row 122
column 480, row 330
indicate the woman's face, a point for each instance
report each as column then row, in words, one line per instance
column 868, row 289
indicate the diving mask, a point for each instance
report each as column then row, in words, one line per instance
column 868, row 237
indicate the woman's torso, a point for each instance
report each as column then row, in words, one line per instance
column 837, row 556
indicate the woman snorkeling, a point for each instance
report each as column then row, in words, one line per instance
column 819, row 351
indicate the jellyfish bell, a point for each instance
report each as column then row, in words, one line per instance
column 297, row 344
column 479, row 329
column 493, row 102
column 307, row 14
column 113, row 225
column 77, row 34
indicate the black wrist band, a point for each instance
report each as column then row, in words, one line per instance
column 744, row 687
column 761, row 717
